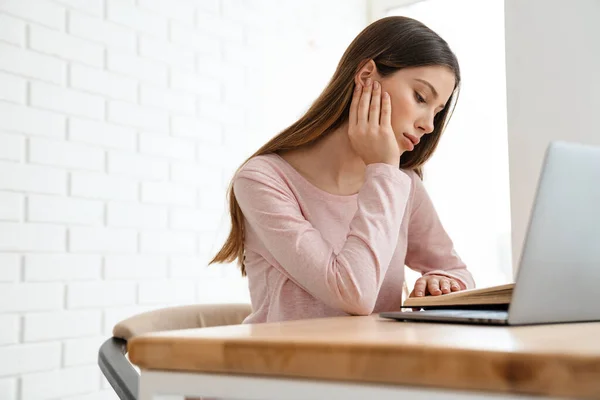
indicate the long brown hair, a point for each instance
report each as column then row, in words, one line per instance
column 392, row 43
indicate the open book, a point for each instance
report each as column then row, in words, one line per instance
column 493, row 295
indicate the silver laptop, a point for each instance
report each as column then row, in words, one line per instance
column 558, row 279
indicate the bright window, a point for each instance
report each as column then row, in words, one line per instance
column 468, row 176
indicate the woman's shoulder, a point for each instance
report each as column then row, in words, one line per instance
column 265, row 164
column 266, row 168
column 414, row 177
column 263, row 174
column 411, row 173
column 417, row 188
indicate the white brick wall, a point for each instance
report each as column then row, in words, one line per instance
column 168, row 193
column 140, row 68
column 134, row 215
column 175, row 291
column 32, row 237
column 121, row 122
column 125, row 13
column 44, row 13
column 100, row 294
column 101, row 134
column 41, row 208
column 11, row 206
column 135, row 267
column 98, row 30
column 31, row 297
column 62, row 267
column 65, row 154
column 30, row 120
column 92, row 7
column 168, row 242
column 65, row 46
column 31, row 64
column 102, row 240
column 109, row 84
column 9, row 329
column 81, row 351
column 137, row 166
column 58, row 325
column 30, row 178
column 13, row 87
column 128, row 114
column 66, row 101
column 29, row 358
column 166, row 146
column 177, row 102
column 103, row 186
column 12, row 30
column 64, row 382
column 8, row 388
column 10, row 270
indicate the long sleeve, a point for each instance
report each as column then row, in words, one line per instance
column 430, row 249
column 351, row 279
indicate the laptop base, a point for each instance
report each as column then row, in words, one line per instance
column 479, row 317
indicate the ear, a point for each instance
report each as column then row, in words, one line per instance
column 369, row 70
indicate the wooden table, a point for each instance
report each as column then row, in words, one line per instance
column 371, row 358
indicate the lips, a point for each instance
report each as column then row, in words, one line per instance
column 414, row 140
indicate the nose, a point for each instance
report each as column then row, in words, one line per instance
column 425, row 124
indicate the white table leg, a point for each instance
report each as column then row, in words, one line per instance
column 264, row 388
column 149, row 387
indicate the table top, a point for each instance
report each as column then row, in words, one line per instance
column 555, row 360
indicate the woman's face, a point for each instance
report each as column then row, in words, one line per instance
column 417, row 95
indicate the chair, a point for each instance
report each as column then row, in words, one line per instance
column 112, row 359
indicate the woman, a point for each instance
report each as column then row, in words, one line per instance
column 328, row 212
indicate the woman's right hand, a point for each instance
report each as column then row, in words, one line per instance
column 370, row 127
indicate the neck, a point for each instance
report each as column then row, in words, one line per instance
column 334, row 161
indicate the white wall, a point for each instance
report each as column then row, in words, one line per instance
column 120, row 124
column 552, row 64
column 467, row 177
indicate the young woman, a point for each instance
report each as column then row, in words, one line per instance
column 326, row 215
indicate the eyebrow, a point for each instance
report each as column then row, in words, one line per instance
column 435, row 93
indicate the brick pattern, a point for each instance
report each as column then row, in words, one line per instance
column 121, row 123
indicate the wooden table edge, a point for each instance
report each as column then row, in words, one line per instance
column 458, row 369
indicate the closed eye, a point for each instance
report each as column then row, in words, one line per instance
column 419, row 98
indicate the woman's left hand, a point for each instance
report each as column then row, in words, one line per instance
column 434, row 285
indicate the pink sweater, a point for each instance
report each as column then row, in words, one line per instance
column 310, row 254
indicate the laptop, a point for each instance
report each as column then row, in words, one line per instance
column 558, row 279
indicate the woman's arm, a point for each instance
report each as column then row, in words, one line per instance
column 350, row 280
column 430, row 249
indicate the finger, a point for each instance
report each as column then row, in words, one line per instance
column 445, row 286
column 354, row 104
column 454, row 286
column 386, row 110
column 434, row 286
column 363, row 106
column 420, row 286
column 375, row 105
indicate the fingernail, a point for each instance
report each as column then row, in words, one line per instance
column 376, row 85
column 357, row 88
column 368, row 81
column 419, row 293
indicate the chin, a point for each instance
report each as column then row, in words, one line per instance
column 402, row 145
